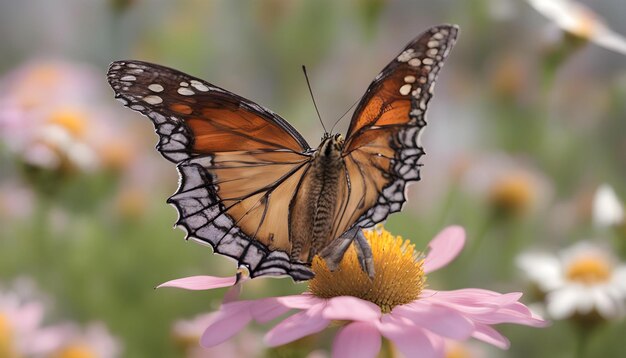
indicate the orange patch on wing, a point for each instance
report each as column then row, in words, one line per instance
column 181, row 108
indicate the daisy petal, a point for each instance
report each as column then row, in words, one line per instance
column 226, row 324
column 351, row 309
column 441, row 320
column 410, row 340
column 266, row 310
column 297, row 326
column 358, row 339
column 302, row 302
column 491, row 336
column 200, row 282
column 562, row 303
column 444, row 248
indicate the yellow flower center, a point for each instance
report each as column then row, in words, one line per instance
column 6, row 349
column 457, row 350
column 512, row 194
column 76, row 351
column 186, row 341
column 589, row 270
column 586, row 24
column 71, row 120
column 399, row 277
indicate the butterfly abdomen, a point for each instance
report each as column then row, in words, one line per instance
column 311, row 220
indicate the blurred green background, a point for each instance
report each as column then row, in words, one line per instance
column 525, row 124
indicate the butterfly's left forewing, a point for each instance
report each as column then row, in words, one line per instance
column 239, row 163
column 382, row 150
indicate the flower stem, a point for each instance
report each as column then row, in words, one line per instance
column 582, row 341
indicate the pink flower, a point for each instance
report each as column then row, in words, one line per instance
column 186, row 334
column 20, row 325
column 68, row 340
column 54, row 116
column 395, row 305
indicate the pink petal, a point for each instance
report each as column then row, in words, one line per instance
column 297, row 326
column 410, row 340
column 268, row 309
column 491, row 336
column 358, row 339
column 466, row 306
column 444, row 248
column 441, row 320
column 350, row 308
column 486, row 307
column 200, row 282
column 303, row 301
column 506, row 315
column 227, row 322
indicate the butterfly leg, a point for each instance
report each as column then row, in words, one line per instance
column 364, row 254
column 333, row 253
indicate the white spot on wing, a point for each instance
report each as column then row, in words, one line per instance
column 129, row 78
column 415, row 62
column 185, row 91
column 404, row 90
column 406, row 55
column 199, row 86
column 155, row 87
column 153, row 99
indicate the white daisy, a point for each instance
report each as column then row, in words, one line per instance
column 583, row 279
column 579, row 20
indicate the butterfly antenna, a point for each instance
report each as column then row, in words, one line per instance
column 313, row 98
column 344, row 114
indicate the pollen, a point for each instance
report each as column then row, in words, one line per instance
column 399, row 277
column 589, row 270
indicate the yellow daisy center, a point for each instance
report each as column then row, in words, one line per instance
column 6, row 349
column 589, row 270
column 73, row 121
column 399, row 277
column 76, row 351
column 512, row 194
column 457, row 350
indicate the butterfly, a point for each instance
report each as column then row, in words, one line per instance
column 253, row 189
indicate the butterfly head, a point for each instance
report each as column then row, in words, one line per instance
column 331, row 146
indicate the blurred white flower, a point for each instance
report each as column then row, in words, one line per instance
column 607, row 209
column 68, row 340
column 510, row 185
column 579, row 20
column 584, row 279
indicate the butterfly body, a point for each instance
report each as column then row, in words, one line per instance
column 314, row 205
column 254, row 190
